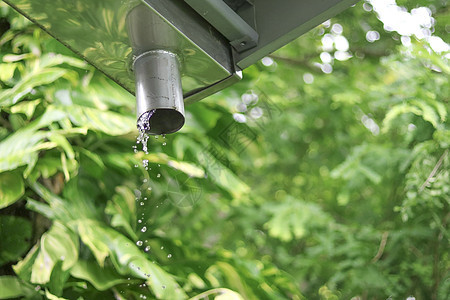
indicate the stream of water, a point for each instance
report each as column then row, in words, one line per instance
column 143, row 137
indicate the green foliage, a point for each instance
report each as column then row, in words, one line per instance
column 13, row 245
column 11, row 188
column 12, row 287
column 336, row 186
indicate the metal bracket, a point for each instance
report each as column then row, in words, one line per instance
column 240, row 34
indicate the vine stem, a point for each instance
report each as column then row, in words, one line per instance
column 435, row 169
column 382, row 246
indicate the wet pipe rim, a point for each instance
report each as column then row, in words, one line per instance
column 146, row 125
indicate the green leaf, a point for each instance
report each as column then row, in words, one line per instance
column 57, row 208
column 62, row 141
column 228, row 295
column 122, row 208
column 11, row 187
column 75, row 206
column 28, row 82
column 9, row 58
column 188, row 168
column 13, row 245
column 89, row 236
column 232, row 278
column 428, row 113
column 13, row 287
column 182, row 143
column 23, row 146
column 46, row 166
column 58, row 244
column 24, row 267
column 7, row 71
column 58, row 279
column 51, row 60
column 92, row 163
column 435, row 115
column 98, row 120
column 215, row 170
column 221, row 294
column 223, row 177
column 26, row 107
column 396, row 111
column 127, row 258
column 101, row 278
column 50, row 296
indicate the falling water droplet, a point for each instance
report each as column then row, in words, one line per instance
column 145, row 163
